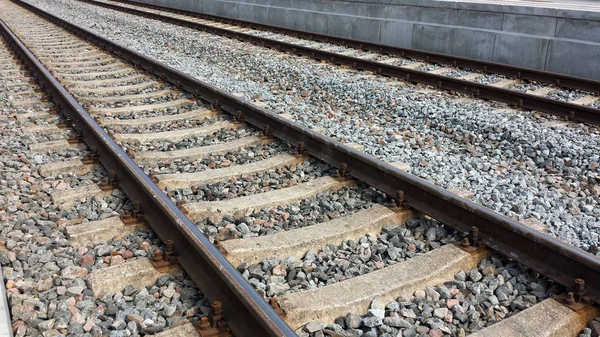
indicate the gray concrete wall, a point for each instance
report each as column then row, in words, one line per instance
column 553, row 39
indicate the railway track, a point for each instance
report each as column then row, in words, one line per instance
column 576, row 99
column 53, row 181
column 84, row 208
column 283, row 215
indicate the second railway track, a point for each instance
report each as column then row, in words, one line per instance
column 330, row 253
column 574, row 98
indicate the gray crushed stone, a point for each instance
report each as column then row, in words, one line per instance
column 331, row 264
column 250, row 184
column 476, row 298
column 269, row 220
column 513, row 163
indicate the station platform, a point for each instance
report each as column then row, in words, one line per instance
column 558, row 36
column 581, row 5
column 5, row 322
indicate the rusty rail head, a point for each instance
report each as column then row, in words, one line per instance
column 552, row 258
column 216, row 277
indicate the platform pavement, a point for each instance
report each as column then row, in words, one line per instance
column 5, row 322
column 582, row 5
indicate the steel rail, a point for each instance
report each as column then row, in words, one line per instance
column 456, row 61
column 553, row 258
column 574, row 112
column 249, row 313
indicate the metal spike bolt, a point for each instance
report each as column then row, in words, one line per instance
column 181, row 205
column 267, row 131
column 169, row 249
column 570, row 297
column 217, row 308
column 275, row 305
column 344, row 169
column 579, row 288
column 216, row 314
column 153, row 178
column 204, row 323
column 112, row 175
column 301, row 148
column 580, row 284
column 399, row 198
column 158, row 255
column 112, row 178
column 137, row 208
column 61, row 123
column 74, row 138
column 465, row 242
column 93, row 152
column 217, row 243
column 474, row 236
